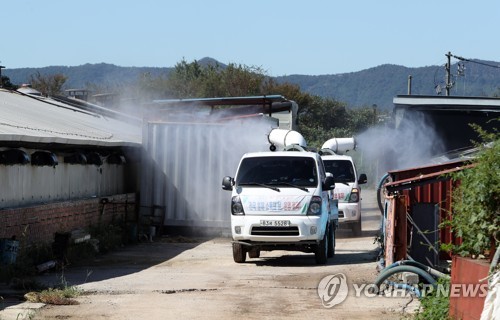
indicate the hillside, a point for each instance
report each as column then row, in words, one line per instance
column 380, row 84
column 374, row 86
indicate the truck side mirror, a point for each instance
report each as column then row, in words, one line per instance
column 362, row 178
column 329, row 183
column 227, row 183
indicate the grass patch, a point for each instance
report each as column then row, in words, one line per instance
column 435, row 305
column 110, row 236
column 64, row 296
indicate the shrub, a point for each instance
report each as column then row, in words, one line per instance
column 435, row 305
column 476, row 214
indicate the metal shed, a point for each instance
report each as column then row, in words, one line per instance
column 418, row 201
column 35, row 127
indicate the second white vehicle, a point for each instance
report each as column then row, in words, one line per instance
column 347, row 182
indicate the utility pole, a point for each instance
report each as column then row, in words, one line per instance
column 448, row 76
column 1, row 80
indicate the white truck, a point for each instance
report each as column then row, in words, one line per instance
column 347, row 182
column 281, row 200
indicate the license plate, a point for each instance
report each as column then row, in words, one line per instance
column 275, row 223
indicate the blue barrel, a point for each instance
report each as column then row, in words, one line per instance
column 8, row 251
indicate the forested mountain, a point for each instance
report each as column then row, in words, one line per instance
column 101, row 74
column 374, row 86
column 380, row 84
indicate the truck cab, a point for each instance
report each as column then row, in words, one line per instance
column 282, row 200
column 347, row 189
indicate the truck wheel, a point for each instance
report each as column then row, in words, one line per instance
column 254, row 253
column 356, row 228
column 239, row 254
column 321, row 254
column 331, row 242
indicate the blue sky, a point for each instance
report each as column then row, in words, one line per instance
column 282, row 37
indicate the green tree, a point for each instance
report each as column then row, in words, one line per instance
column 48, row 85
column 185, row 81
column 152, row 88
column 319, row 118
column 239, row 80
column 191, row 80
column 475, row 211
column 362, row 118
column 5, row 83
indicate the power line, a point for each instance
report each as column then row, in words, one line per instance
column 474, row 61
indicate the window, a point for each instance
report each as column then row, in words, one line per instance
column 299, row 171
column 342, row 170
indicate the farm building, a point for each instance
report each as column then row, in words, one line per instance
column 63, row 167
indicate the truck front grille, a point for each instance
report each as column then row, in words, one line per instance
column 275, row 231
column 341, row 214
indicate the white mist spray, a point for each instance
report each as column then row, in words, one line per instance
column 191, row 153
column 413, row 143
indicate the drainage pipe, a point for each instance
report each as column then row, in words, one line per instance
column 417, row 264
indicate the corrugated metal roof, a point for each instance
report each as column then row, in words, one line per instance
column 43, row 120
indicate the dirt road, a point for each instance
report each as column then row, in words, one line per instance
column 176, row 279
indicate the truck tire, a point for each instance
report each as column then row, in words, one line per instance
column 356, row 228
column 321, row 254
column 331, row 242
column 239, row 254
column 254, row 253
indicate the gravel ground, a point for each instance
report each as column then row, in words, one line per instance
column 187, row 278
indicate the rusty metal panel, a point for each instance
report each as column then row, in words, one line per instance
column 389, row 231
column 427, row 185
column 400, row 229
column 465, row 271
column 410, row 173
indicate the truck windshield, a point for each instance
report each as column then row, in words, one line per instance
column 278, row 171
column 342, row 170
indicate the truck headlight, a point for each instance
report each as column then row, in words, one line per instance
column 314, row 206
column 237, row 206
column 354, row 195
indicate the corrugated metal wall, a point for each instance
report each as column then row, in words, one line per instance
column 27, row 184
column 184, row 164
column 422, row 186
